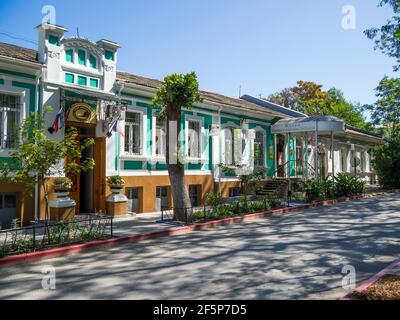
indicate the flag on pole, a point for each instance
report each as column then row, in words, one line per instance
column 117, row 128
column 57, row 124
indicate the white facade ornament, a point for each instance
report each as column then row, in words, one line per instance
column 54, row 55
column 108, row 68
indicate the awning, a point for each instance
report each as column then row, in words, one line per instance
column 309, row 124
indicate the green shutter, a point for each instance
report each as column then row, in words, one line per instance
column 69, row 78
column 82, row 81
column 69, row 55
column 82, row 57
column 94, row 83
column 109, row 55
column 54, row 40
column 92, row 62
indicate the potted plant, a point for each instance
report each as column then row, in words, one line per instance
column 62, row 207
column 116, row 203
column 62, row 184
column 115, row 182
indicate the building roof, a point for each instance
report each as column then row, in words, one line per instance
column 207, row 96
column 17, row 52
column 273, row 106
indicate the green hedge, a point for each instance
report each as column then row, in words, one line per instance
column 328, row 188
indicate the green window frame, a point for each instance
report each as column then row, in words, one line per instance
column 93, row 62
column 82, row 57
column 109, row 55
column 69, row 55
column 69, row 78
column 54, row 40
column 82, row 81
column 94, row 83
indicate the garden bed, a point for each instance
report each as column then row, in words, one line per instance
column 386, row 288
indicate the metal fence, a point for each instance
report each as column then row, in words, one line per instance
column 42, row 236
column 227, row 208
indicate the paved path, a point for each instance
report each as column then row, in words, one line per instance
column 295, row 256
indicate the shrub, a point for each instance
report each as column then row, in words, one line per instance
column 347, row 186
column 386, row 161
column 315, row 190
column 328, row 188
column 213, row 199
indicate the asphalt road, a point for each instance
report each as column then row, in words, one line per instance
column 295, row 256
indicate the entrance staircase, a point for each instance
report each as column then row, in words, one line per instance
column 273, row 187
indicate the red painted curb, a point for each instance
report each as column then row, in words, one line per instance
column 366, row 284
column 166, row 232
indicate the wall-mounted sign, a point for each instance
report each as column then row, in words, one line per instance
column 82, row 112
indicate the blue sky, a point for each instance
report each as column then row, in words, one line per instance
column 261, row 45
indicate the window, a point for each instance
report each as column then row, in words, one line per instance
column 233, row 146
column 82, row 57
column 194, row 134
column 133, row 199
column 194, row 191
column 82, row 81
column 94, row 83
column 69, row 78
column 133, row 133
column 161, row 135
column 10, row 109
column 69, row 55
column 259, row 150
column 92, row 62
column 109, row 55
column 234, row 192
column 54, row 40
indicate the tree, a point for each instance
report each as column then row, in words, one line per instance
column 36, row 157
column 386, row 110
column 387, row 37
column 179, row 91
column 350, row 113
column 309, row 98
column 386, row 162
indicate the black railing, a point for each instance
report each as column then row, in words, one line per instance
column 228, row 207
column 179, row 215
column 42, row 236
column 300, row 170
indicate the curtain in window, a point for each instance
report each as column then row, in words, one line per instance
column 133, row 133
column 259, row 150
column 161, row 142
column 237, row 145
column 228, row 150
column 9, row 120
column 194, row 139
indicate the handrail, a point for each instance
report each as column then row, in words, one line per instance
column 284, row 166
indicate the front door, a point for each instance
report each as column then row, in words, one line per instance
column 89, row 188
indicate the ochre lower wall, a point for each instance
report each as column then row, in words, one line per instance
column 148, row 185
column 147, row 192
column 25, row 202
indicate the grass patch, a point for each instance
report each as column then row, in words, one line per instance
column 386, row 288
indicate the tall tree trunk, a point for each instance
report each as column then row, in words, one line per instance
column 176, row 170
column 46, row 209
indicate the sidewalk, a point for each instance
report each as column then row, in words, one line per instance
column 141, row 223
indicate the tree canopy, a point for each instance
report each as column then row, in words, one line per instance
column 386, row 111
column 309, row 98
column 387, row 37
